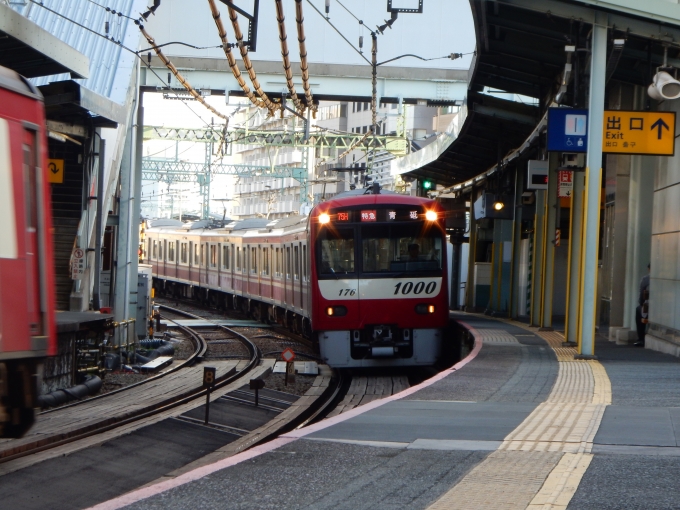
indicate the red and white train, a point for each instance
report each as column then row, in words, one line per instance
column 364, row 274
column 27, row 326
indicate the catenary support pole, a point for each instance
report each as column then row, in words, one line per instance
column 591, row 233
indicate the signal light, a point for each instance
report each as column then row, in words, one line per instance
column 424, row 309
column 428, row 184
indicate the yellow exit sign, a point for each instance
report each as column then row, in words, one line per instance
column 627, row 132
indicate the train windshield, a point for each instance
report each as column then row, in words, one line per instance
column 337, row 251
column 400, row 248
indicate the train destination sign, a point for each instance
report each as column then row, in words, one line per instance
column 628, row 132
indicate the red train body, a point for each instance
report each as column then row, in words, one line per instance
column 364, row 275
column 27, row 327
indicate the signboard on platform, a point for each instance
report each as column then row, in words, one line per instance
column 55, row 171
column 628, row 132
column 565, row 183
column 77, row 264
column 567, row 130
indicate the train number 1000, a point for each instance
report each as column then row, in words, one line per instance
column 418, row 288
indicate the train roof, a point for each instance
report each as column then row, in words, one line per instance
column 11, row 80
column 364, row 196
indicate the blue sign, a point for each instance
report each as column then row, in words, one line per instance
column 567, row 130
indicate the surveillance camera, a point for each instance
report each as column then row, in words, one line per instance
column 664, row 86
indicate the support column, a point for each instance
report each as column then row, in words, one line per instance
column 591, row 231
column 472, row 253
column 501, row 271
column 549, row 253
column 574, row 260
column 538, row 259
column 515, row 297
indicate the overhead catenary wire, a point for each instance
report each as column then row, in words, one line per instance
column 230, row 56
column 178, row 75
column 246, row 60
column 281, row 18
column 300, row 19
column 141, row 59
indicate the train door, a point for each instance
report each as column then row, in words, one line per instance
column 33, row 275
column 288, row 280
column 191, row 261
column 297, row 280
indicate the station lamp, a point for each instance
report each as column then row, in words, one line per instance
column 498, row 205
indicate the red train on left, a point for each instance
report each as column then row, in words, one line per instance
column 27, row 323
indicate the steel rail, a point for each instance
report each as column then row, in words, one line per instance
column 200, row 345
column 230, row 56
column 46, row 442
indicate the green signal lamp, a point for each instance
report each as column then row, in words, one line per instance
column 427, row 184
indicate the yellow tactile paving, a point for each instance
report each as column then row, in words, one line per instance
column 562, row 482
column 497, row 336
column 503, row 481
column 563, row 428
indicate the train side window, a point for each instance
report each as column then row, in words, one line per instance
column 155, row 249
column 171, row 252
column 287, row 262
column 213, row 255
column 196, row 259
column 253, row 261
column 30, row 185
column 297, row 263
column 148, row 250
column 232, row 255
column 202, row 248
column 183, row 254
column 238, row 258
column 225, row 257
column 277, row 263
column 304, row 262
column 163, row 250
column 265, row 261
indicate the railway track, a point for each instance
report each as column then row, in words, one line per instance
column 178, row 387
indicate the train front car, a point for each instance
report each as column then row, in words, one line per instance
column 27, row 327
column 379, row 280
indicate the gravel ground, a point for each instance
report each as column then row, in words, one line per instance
column 299, row 387
column 117, row 380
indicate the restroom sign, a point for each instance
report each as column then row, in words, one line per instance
column 565, row 183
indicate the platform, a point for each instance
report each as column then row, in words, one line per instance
column 517, row 424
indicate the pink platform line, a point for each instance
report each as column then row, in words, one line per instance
column 198, row 473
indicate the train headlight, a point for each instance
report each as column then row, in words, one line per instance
column 336, row 311
column 424, row 309
column 324, row 218
column 431, row 215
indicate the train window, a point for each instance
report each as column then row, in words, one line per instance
column 265, row 261
column 160, row 250
column 400, row 248
column 155, row 249
column 335, row 251
column 232, row 255
column 304, row 262
column 202, row 254
column 30, row 185
column 184, row 258
column 196, row 259
column 279, row 263
column 253, row 260
column 238, row 258
column 213, row 256
column 287, row 262
column 297, row 263
column 171, row 252
column 225, row 257
column 148, row 250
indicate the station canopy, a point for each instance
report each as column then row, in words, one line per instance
column 521, row 49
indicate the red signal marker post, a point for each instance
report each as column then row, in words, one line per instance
column 288, row 356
